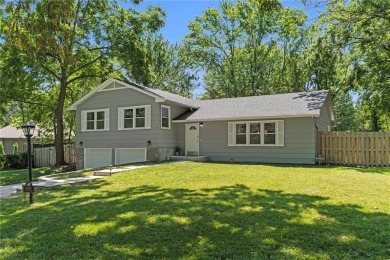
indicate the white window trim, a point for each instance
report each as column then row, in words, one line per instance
column 121, row 118
column 279, row 133
column 106, row 120
column 169, row 117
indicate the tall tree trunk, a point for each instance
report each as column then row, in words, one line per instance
column 59, row 140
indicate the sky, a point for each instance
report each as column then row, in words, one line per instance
column 181, row 12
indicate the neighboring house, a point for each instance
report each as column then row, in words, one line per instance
column 10, row 135
column 122, row 122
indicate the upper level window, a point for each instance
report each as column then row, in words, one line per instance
column 256, row 133
column 165, row 117
column 94, row 120
column 137, row 117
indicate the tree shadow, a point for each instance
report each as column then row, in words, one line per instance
column 377, row 170
column 314, row 100
column 228, row 222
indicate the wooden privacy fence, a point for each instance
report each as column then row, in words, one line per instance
column 46, row 156
column 357, row 149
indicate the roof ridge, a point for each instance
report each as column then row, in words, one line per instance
column 266, row 95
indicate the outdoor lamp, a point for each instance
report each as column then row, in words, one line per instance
column 28, row 130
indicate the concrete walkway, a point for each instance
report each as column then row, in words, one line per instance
column 47, row 181
column 110, row 171
column 43, row 182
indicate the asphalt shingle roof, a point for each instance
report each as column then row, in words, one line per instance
column 168, row 96
column 174, row 98
column 267, row 106
column 12, row 132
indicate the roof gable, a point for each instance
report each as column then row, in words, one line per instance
column 112, row 84
column 159, row 95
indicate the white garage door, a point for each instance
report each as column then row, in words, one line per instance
column 129, row 155
column 97, row 157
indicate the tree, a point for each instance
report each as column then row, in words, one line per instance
column 360, row 28
column 68, row 41
column 248, row 48
column 163, row 67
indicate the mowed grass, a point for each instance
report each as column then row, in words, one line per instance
column 206, row 211
column 8, row 177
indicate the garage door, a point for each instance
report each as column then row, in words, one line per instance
column 97, row 157
column 129, row 155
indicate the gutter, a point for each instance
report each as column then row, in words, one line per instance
column 242, row 118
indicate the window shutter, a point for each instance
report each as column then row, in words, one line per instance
column 106, row 119
column 147, row 117
column 83, row 120
column 230, row 134
column 280, row 129
column 120, row 118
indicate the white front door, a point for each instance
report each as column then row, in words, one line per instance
column 192, row 139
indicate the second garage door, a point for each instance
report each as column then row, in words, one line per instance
column 129, row 155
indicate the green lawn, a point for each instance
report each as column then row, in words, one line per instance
column 206, row 211
column 21, row 176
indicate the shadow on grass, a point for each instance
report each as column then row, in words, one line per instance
column 378, row 170
column 218, row 223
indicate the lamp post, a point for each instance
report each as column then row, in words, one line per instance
column 28, row 130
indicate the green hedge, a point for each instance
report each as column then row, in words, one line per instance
column 15, row 161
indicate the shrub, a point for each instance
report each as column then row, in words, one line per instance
column 15, row 149
column 16, row 161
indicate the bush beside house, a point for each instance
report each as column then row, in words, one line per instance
column 16, row 160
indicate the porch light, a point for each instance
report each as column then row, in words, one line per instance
column 201, row 124
column 28, row 130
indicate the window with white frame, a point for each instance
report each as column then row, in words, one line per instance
column 165, row 117
column 95, row 120
column 137, row 117
column 256, row 133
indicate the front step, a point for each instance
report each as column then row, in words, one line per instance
column 102, row 173
column 109, row 172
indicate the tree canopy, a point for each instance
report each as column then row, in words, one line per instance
column 49, row 47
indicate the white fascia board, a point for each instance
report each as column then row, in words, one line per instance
column 107, row 82
column 244, row 118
